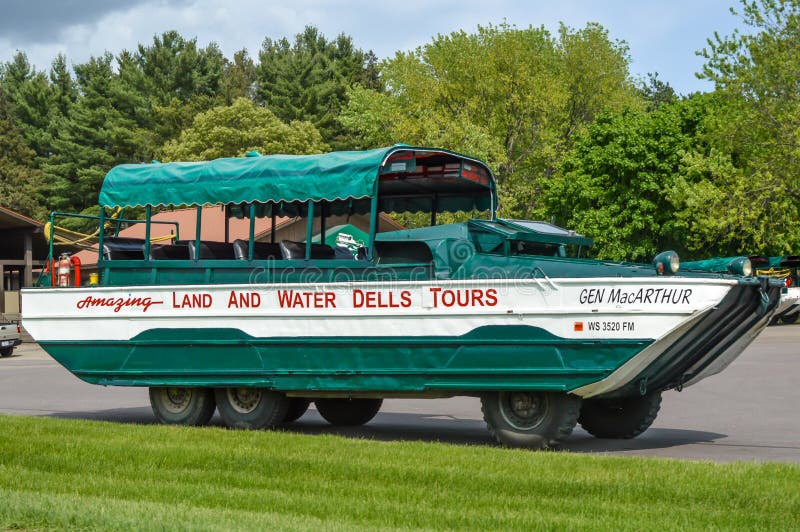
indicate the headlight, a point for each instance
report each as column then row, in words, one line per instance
column 667, row 263
column 741, row 266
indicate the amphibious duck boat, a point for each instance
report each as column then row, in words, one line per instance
column 506, row 310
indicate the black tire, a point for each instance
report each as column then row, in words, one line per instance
column 533, row 420
column 622, row 418
column 182, row 406
column 251, row 408
column 347, row 412
column 297, row 407
column 788, row 319
column 6, row 352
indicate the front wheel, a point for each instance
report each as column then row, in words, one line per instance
column 622, row 418
column 251, row 408
column 182, row 406
column 534, row 420
column 348, row 412
column 788, row 319
column 6, row 352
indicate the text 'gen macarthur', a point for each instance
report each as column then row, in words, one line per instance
column 622, row 296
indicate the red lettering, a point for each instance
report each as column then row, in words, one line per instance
column 298, row 300
column 358, row 298
column 448, row 298
column 284, row 298
column 330, row 299
column 435, row 291
column 244, row 300
column 491, row 297
column 477, row 297
column 405, row 299
column 117, row 302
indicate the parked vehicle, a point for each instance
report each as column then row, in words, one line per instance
column 9, row 338
column 506, row 310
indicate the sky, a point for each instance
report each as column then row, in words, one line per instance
column 663, row 36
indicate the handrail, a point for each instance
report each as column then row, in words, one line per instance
column 104, row 222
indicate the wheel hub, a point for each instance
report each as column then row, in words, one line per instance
column 244, row 400
column 523, row 410
column 176, row 400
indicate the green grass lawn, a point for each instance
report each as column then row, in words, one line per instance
column 57, row 474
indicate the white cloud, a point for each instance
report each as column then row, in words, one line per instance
column 662, row 35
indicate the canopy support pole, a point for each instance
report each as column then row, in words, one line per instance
column 434, row 208
column 100, row 236
column 373, row 224
column 252, row 237
column 272, row 232
column 197, row 232
column 148, row 211
column 121, row 216
column 227, row 223
column 309, row 229
column 322, row 223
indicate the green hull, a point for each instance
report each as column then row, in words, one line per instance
column 488, row 358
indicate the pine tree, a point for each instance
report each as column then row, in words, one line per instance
column 28, row 93
column 308, row 80
column 98, row 134
column 21, row 185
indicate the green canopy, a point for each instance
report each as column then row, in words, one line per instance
column 406, row 175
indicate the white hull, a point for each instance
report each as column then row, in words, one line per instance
column 593, row 309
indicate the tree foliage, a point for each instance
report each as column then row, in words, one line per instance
column 234, row 130
column 21, row 185
column 308, row 79
column 757, row 78
column 556, row 115
column 620, row 184
column 515, row 97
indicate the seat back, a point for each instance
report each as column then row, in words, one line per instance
column 261, row 250
column 177, row 251
column 211, row 250
column 123, row 248
column 297, row 250
column 343, row 252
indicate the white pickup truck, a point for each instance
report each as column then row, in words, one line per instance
column 9, row 338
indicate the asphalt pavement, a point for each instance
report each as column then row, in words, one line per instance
column 751, row 411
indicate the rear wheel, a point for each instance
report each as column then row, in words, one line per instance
column 348, row 412
column 297, row 407
column 534, row 420
column 788, row 319
column 251, row 408
column 182, row 406
column 6, row 352
column 622, row 418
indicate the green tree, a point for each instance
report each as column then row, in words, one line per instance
column 231, row 131
column 174, row 79
column 30, row 98
column 308, row 79
column 758, row 120
column 98, row 134
column 514, row 97
column 628, row 176
column 238, row 78
column 21, row 185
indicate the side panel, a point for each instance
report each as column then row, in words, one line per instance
column 399, row 336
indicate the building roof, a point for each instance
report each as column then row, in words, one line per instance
column 212, row 227
column 13, row 220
